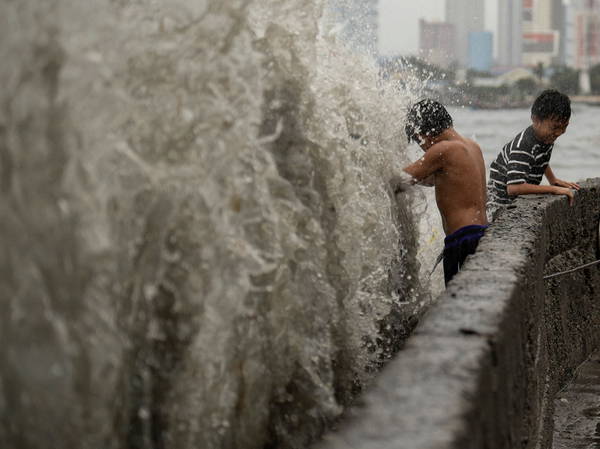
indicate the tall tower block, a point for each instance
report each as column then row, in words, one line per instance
column 510, row 32
column 467, row 16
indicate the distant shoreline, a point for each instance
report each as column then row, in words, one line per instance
column 586, row 99
column 592, row 100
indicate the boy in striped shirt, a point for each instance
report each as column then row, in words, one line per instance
column 519, row 167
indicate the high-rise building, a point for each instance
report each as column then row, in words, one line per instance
column 480, row 50
column 540, row 43
column 510, row 31
column 360, row 21
column 436, row 42
column 582, row 46
column 467, row 16
column 558, row 24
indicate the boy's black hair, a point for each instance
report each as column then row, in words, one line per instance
column 552, row 104
column 427, row 117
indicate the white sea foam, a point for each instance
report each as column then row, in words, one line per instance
column 202, row 247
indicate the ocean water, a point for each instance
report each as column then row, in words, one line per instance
column 199, row 246
column 576, row 154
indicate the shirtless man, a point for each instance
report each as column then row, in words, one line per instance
column 455, row 166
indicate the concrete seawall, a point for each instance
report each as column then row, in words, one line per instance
column 482, row 368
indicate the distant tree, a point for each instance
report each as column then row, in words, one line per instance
column 595, row 79
column 539, row 71
column 487, row 96
column 527, row 86
column 482, row 94
column 472, row 74
column 565, row 79
column 502, row 90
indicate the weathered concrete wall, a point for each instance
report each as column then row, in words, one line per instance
column 484, row 364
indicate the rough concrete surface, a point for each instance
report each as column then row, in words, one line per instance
column 577, row 416
column 483, row 367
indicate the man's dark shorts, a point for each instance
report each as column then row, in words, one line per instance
column 457, row 246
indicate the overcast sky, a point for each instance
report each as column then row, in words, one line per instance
column 399, row 22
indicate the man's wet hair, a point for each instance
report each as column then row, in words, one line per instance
column 427, row 117
column 552, row 104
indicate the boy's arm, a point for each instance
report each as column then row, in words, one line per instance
column 423, row 170
column 553, row 180
column 427, row 182
column 524, row 189
column 432, row 161
column 518, row 168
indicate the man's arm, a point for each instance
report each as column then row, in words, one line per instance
column 553, row 180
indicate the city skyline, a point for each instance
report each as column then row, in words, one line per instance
column 467, row 16
column 403, row 15
column 513, row 33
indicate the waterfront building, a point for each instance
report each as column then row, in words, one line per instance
column 582, row 44
column 467, row 16
column 510, row 15
column 480, row 50
column 540, row 42
column 436, row 42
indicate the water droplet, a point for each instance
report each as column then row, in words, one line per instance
column 143, row 413
column 235, row 203
column 172, row 256
column 56, row 370
column 187, row 115
column 150, row 291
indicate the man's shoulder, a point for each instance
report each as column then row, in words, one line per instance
column 448, row 145
column 457, row 148
column 441, row 151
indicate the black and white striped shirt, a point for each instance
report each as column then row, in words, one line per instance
column 522, row 160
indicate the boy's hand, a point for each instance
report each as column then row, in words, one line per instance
column 401, row 182
column 565, row 191
column 569, row 185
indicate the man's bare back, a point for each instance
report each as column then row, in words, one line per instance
column 459, row 177
column 460, row 186
column 457, row 168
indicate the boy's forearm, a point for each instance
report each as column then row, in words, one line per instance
column 428, row 182
column 525, row 189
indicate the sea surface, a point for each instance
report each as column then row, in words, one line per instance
column 576, row 154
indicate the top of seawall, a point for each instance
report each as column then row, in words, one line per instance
column 482, row 367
